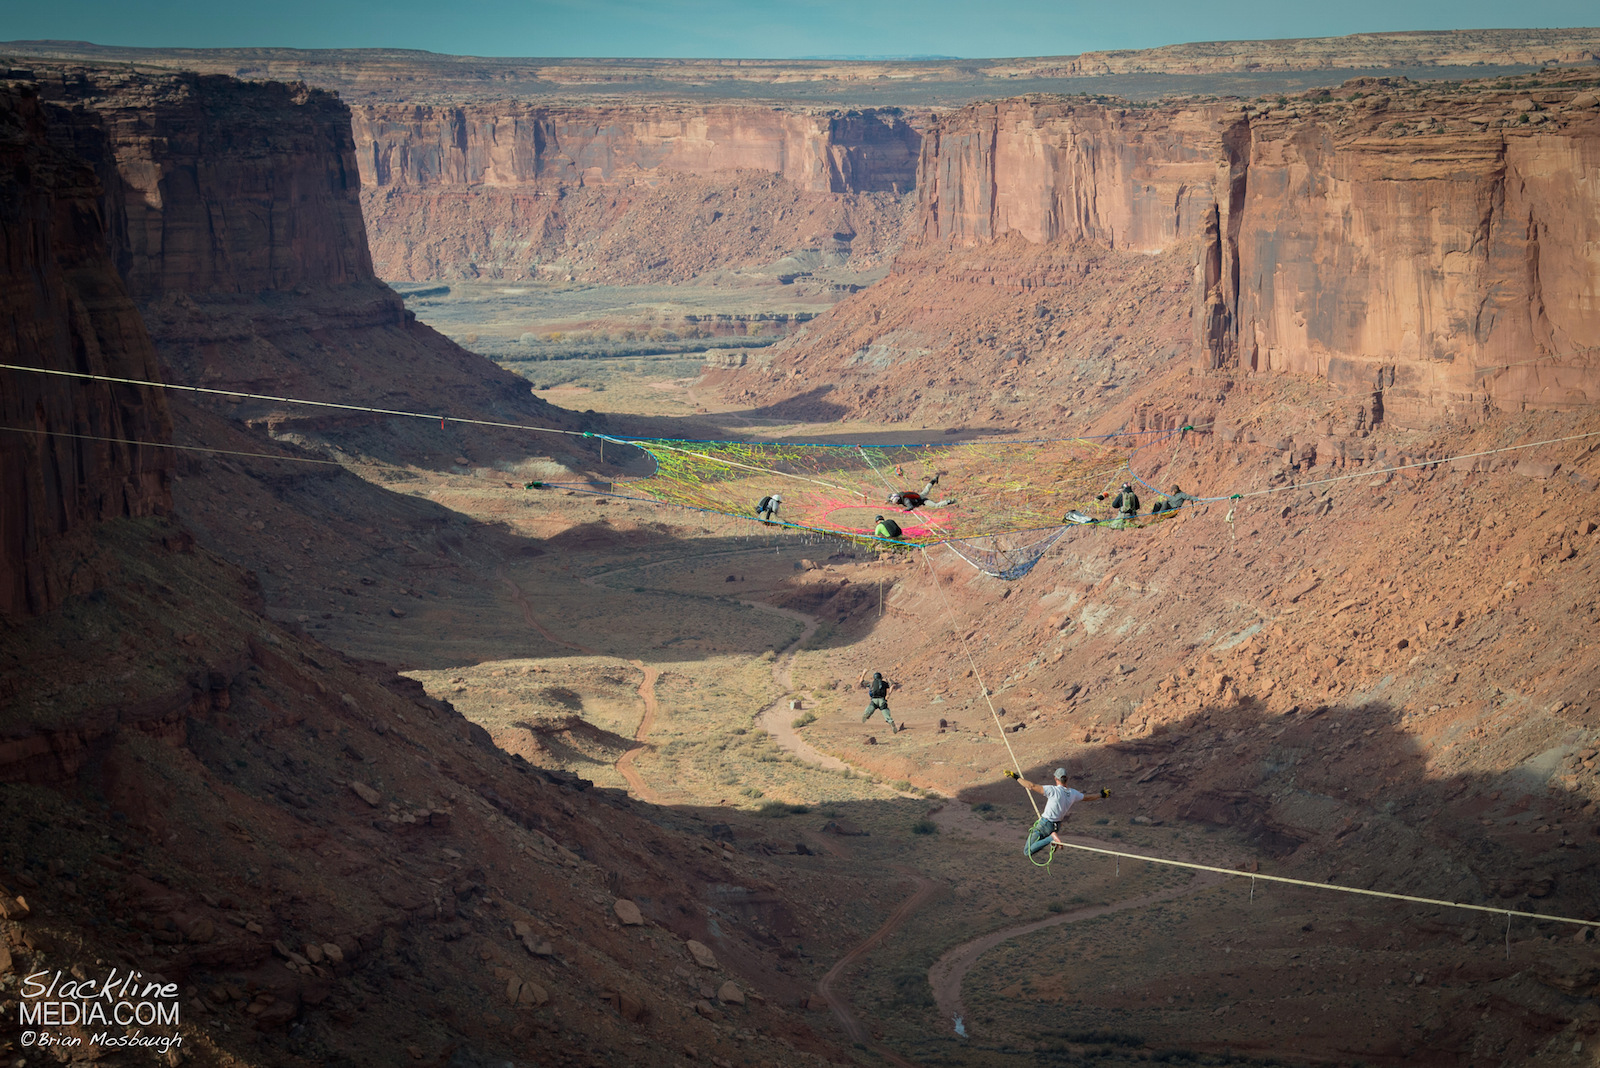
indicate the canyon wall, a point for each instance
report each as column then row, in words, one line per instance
column 234, row 218
column 70, row 452
column 1435, row 252
column 500, row 189
column 516, row 145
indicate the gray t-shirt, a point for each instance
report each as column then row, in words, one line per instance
column 1059, row 801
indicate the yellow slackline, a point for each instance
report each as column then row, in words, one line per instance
column 1333, row 886
column 976, row 673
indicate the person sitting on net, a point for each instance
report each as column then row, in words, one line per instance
column 887, row 529
column 911, row 501
column 767, row 508
column 1174, row 499
column 1126, row 503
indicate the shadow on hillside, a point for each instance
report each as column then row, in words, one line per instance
column 1344, row 793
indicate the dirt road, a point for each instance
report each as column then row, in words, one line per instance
column 853, row 1027
column 776, row 719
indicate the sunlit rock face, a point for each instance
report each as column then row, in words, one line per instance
column 1436, row 247
column 499, row 189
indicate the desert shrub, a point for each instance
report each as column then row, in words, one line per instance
column 924, row 827
column 779, row 809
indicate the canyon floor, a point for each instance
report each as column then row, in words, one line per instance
column 645, row 651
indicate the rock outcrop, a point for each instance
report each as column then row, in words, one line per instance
column 234, row 219
column 71, row 451
column 1435, row 251
column 505, row 189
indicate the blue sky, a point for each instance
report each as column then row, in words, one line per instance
column 749, row 28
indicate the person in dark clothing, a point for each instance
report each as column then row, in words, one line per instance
column 1126, row 502
column 767, row 508
column 910, row 501
column 878, row 700
column 887, row 529
column 1174, row 499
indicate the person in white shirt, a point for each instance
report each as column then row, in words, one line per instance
column 1058, row 802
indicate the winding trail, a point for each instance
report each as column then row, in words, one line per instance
column 949, row 970
column 853, row 1027
column 647, row 692
column 775, row 719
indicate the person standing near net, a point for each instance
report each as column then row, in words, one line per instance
column 1058, row 803
column 767, row 508
column 878, row 700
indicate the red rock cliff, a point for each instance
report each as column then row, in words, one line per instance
column 235, row 219
column 501, row 188
column 67, row 452
column 1436, row 251
column 222, row 186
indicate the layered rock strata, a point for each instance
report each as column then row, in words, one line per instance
column 1435, row 250
column 507, row 188
column 234, row 217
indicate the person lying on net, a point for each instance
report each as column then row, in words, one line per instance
column 911, row 501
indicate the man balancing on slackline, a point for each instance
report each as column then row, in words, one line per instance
column 1059, row 800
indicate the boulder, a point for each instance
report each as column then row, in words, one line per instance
column 730, row 994
column 627, row 912
column 366, row 793
column 702, row 954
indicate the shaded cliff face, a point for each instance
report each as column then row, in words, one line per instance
column 68, row 452
column 508, row 189
column 195, row 211
column 235, row 220
column 1433, row 250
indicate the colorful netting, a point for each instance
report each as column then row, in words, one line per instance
column 1006, row 500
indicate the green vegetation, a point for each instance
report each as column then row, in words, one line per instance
column 924, row 827
column 804, row 719
column 780, row 809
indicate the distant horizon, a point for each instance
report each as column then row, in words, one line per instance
column 76, row 44
column 805, row 31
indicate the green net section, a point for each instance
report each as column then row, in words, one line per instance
column 989, row 488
